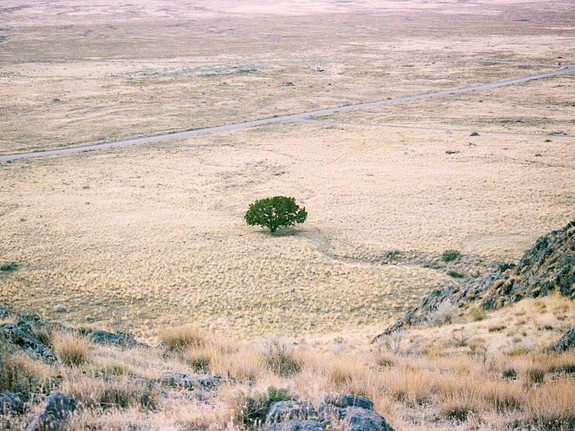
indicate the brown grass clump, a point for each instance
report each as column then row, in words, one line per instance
column 280, row 358
column 502, row 396
column 182, row 337
column 552, row 406
column 24, row 376
column 117, row 393
column 72, row 349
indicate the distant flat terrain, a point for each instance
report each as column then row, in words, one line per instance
column 153, row 235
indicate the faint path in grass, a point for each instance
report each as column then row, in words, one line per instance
column 290, row 118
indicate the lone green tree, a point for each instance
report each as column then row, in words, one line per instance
column 279, row 211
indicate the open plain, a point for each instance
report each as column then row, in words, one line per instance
column 140, row 237
column 152, row 236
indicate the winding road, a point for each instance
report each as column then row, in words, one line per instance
column 290, row 118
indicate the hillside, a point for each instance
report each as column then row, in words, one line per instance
column 460, row 368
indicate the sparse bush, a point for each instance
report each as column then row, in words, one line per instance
column 444, row 313
column 460, row 338
column 450, row 255
column 477, row 313
column 535, row 375
column 71, row 349
column 280, row 359
column 251, row 408
column 392, row 342
column 276, row 212
column 182, row 337
column 9, row 266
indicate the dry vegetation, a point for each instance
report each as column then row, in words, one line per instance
column 496, row 375
column 152, row 237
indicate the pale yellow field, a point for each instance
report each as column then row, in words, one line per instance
column 149, row 236
column 131, row 70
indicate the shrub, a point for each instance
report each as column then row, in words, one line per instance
column 9, row 266
column 477, row 313
column 450, row 255
column 182, row 337
column 72, row 350
column 455, row 274
column 445, row 313
column 280, row 359
column 276, row 212
column 252, row 408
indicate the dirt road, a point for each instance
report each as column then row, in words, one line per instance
column 290, row 118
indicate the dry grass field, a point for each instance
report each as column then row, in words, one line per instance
column 480, row 372
column 149, row 236
column 75, row 72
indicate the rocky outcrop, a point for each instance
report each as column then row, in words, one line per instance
column 290, row 410
column 118, row 339
column 54, row 414
column 307, row 425
column 348, row 412
column 20, row 337
column 566, row 342
column 548, row 266
column 10, row 403
column 189, row 381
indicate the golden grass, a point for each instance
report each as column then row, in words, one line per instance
column 152, row 237
column 182, row 337
column 234, row 68
column 436, row 390
column 72, row 349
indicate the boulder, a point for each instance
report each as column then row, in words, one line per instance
column 10, row 403
column 358, row 419
column 118, row 339
column 307, row 425
column 566, row 342
column 57, row 409
column 4, row 312
column 20, row 336
column 189, row 381
column 290, row 410
column 348, row 400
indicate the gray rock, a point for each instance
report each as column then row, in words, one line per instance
column 189, row 381
column 566, row 342
column 348, row 400
column 57, row 409
column 290, row 410
column 329, row 413
column 19, row 336
column 10, row 403
column 358, row 419
column 119, row 339
column 4, row 312
column 308, row 425
column 548, row 266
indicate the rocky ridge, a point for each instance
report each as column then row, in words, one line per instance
column 547, row 267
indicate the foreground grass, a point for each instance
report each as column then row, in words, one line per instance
column 415, row 385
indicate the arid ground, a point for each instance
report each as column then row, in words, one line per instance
column 144, row 237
